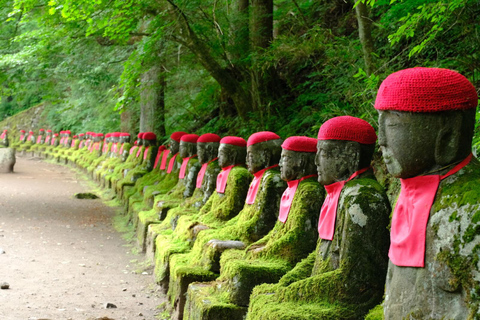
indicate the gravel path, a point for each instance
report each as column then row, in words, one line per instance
column 61, row 256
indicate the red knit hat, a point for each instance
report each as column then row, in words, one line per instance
column 209, row 137
column 68, row 132
column 23, row 131
column 108, row 135
column 115, row 134
column 30, row 132
column 300, row 144
column 99, row 135
column 161, row 148
column 41, row 130
column 192, row 138
column 55, row 134
column 177, row 135
column 75, row 137
column 262, row 136
column 124, row 134
column 140, row 135
column 49, row 130
column 347, row 128
column 235, row 141
column 149, row 136
column 426, row 90
column 81, row 134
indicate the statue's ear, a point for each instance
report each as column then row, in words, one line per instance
column 448, row 142
column 352, row 153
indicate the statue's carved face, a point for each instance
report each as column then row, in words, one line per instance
column 291, row 165
column 407, row 142
column 336, row 160
column 257, row 157
column 174, row 146
column 207, row 151
column 187, row 149
column 224, row 155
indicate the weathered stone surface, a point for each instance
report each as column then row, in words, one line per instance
column 7, row 160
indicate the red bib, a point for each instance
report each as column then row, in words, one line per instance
column 183, row 168
column 145, row 153
column 47, row 140
column 159, row 154
column 163, row 165
column 253, row 189
column 410, row 217
column 222, row 178
column 201, row 174
column 139, row 151
column 171, row 163
column 287, row 197
column 39, row 138
column 133, row 149
column 328, row 213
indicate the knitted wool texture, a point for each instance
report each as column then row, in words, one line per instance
column 192, row 138
column 209, row 137
column 300, row 144
column 149, row 136
column 262, row 136
column 234, row 141
column 426, row 90
column 177, row 135
column 347, row 128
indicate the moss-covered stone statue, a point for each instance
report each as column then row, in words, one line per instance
column 187, row 178
column 344, row 277
column 426, row 123
column 265, row 261
column 4, row 138
column 148, row 161
column 116, row 158
column 23, row 136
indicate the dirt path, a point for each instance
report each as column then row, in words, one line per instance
column 63, row 259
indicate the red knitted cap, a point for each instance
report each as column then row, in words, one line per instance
column 22, row 131
column 177, row 135
column 55, row 134
column 192, row 138
column 347, row 128
column 49, row 130
column 426, row 90
column 68, row 131
column 262, row 136
column 81, row 134
column 124, row 134
column 75, row 137
column 115, row 134
column 108, row 135
column 30, row 131
column 149, row 136
column 140, row 135
column 235, row 141
column 98, row 134
column 161, row 148
column 41, row 130
column 300, row 144
column 209, row 137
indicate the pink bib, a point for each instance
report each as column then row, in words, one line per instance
column 139, row 151
column 201, row 173
column 287, row 197
column 145, row 153
column 72, row 144
column 328, row 213
column 163, row 165
column 133, row 149
column 183, row 168
column 253, row 189
column 39, row 138
column 171, row 163
column 47, row 140
column 159, row 154
column 22, row 136
column 222, row 178
column 410, row 217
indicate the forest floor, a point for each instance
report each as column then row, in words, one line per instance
column 61, row 257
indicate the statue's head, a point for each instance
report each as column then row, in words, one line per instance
column 98, row 137
column 68, row 133
column 263, row 150
column 232, row 151
column 139, row 140
column 174, row 144
column 124, row 137
column 81, row 136
column 49, row 133
column 188, row 145
column 41, row 132
column 115, row 137
column 426, row 120
column 298, row 158
column 149, row 139
column 207, row 147
column 345, row 145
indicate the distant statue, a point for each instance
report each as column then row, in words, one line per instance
column 4, row 138
column 426, row 123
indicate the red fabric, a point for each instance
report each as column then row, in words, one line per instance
column 253, row 189
column 300, row 144
column 3, row 135
column 22, row 131
column 39, row 139
column 72, row 144
column 80, row 146
column 410, row 217
column 183, row 168
column 426, row 90
column 124, row 134
column 132, row 149
column 288, row 195
column 328, row 213
column 47, row 139
column 139, row 151
column 49, row 130
column 163, row 165
column 149, row 136
column 234, row 141
column 121, row 148
column 201, row 173
column 262, row 136
column 347, row 128
column 140, row 135
column 145, row 153
column 171, row 163
column 22, row 136
column 192, row 138
column 177, row 135
column 222, row 178
column 159, row 154
column 209, row 137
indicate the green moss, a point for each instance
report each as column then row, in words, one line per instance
column 376, row 313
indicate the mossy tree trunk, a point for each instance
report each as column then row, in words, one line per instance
column 365, row 35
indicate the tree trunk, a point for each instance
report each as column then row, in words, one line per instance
column 365, row 35
column 152, row 100
column 239, row 32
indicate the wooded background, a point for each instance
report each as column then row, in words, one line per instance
column 224, row 66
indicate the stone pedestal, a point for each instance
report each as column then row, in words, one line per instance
column 7, row 160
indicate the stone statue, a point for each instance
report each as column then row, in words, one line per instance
column 292, row 239
column 23, row 136
column 4, row 138
column 344, row 277
column 426, row 123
